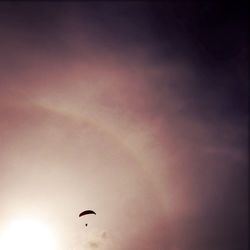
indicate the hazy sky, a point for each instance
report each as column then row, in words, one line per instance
column 136, row 110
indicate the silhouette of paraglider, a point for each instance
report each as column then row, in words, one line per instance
column 85, row 213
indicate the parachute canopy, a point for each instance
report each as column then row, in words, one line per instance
column 86, row 212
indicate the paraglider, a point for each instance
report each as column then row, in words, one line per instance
column 85, row 213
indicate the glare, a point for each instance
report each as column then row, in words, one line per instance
column 27, row 234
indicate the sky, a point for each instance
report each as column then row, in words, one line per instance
column 136, row 110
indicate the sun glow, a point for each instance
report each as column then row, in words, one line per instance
column 27, row 234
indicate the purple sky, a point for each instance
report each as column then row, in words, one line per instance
column 135, row 110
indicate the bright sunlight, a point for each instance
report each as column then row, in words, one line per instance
column 27, row 234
